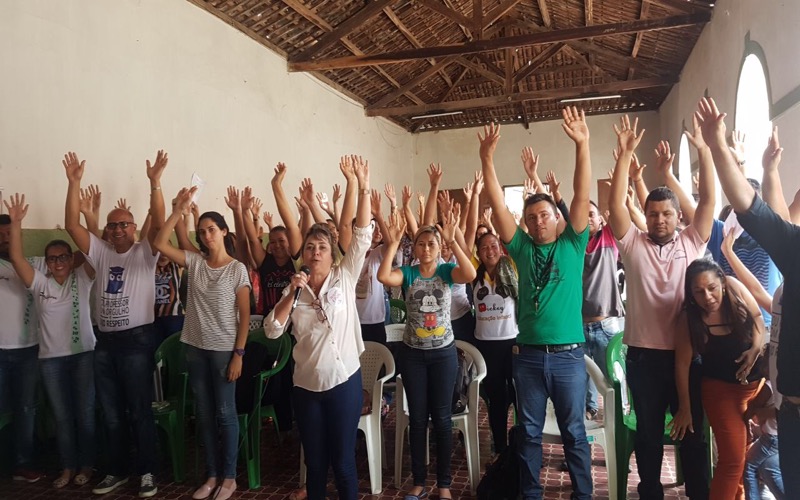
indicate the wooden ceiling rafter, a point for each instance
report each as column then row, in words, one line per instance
column 412, row 39
column 441, row 98
column 476, row 46
column 637, row 43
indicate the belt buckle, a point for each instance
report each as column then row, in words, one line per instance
column 550, row 349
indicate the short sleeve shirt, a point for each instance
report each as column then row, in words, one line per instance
column 428, row 307
column 369, row 291
column 20, row 322
column 274, row 278
column 557, row 319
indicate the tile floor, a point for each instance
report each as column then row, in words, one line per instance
column 279, row 468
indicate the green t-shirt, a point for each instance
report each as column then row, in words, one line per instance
column 558, row 319
column 428, row 307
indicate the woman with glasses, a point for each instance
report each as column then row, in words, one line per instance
column 215, row 333
column 428, row 359
column 66, row 346
column 320, row 305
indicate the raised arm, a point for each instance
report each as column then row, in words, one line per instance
column 375, row 209
column 347, row 166
column 391, row 242
column 310, row 197
column 739, row 192
column 74, row 170
column 505, row 224
column 771, row 186
column 410, row 220
column 157, row 209
column 530, row 163
column 337, row 195
column 627, row 140
column 575, row 127
column 435, row 177
column 161, row 242
column 182, row 233
column 636, row 215
column 90, row 208
column 254, row 242
column 636, row 175
column 17, row 210
column 464, row 272
column 285, row 210
column 664, row 160
column 744, row 275
column 472, row 214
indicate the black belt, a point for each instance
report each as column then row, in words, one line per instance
column 552, row 348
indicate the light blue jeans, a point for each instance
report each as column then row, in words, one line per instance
column 215, row 398
column 69, row 383
column 763, row 460
column 597, row 335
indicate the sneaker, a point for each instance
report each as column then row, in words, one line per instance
column 109, row 484
column 27, row 475
column 147, row 487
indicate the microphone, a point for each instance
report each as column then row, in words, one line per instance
column 303, row 269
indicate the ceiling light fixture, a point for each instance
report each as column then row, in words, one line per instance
column 435, row 115
column 593, row 98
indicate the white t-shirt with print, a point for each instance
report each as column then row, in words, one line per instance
column 494, row 315
column 369, row 291
column 126, row 287
column 54, row 303
column 19, row 326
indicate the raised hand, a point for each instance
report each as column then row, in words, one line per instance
column 737, row 145
column 85, row 203
column 361, row 170
column 396, row 227
column 772, row 154
column 73, row 167
column 246, row 200
column 154, row 171
column 195, row 210
column 346, row 166
column 182, row 203
column 627, row 138
column 388, row 190
column 307, row 191
column 232, row 200
column 450, row 220
column 468, row 191
column 96, row 196
column 323, row 203
column 528, row 188
column 17, row 209
column 406, row 196
column 529, row 161
column 575, row 124
column 268, row 219
column 712, row 122
column 421, row 198
column 727, row 243
column 695, row 137
column 435, row 174
column 486, row 218
column 375, row 203
column 478, row 183
column 278, row 174
column 257, row 206
column 664, row 158
column 444, row 202
column 122, row 204
column 552, row 182
column 491, row 134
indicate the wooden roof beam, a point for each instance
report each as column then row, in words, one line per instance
column 501, row 10
column 476, row 46
column 588, row 12
column 536, row 62
column 537, row 95
column 347, row 26
column 481, row 70
column 447, row 12
column 412, row 39
column 638, row 42
column 545, row 13
column 409, row 85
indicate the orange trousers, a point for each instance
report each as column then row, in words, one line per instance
column 725, row 404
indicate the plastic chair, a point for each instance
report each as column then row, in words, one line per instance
column 596, row 432
column 398, row 310
column 374, row 357
column 465, row 422
column 250, row 423
column 170, row 413
column 282, row 351
column 256, row 322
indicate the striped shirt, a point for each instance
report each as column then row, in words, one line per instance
column 211, row 313
column 168, row 281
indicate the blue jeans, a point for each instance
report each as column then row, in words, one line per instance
column 328, row 425
column 69, row 383
column 123, row 369
column 597, row 335
column 789, row 446
column 215, row 399
column 762, row 460
column 18, row 376
column 651, row 376
column 560, row 377
column 429, row 380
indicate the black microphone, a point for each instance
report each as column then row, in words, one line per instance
column 303, row 269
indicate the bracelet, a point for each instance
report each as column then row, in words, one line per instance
column 362, row 192
column 155, row 188
column 240, row 352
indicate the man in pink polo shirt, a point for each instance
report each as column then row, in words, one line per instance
column 655, row 265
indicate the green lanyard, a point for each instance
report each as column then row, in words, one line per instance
column 76, row 317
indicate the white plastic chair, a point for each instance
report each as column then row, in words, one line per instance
column 256, row 321
column 600, row 433
column 374, row 357
column 465, row 422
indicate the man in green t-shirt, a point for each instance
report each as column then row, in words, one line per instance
column 548, row 358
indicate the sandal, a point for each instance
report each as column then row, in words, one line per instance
column 61, row 481
column 298, row 494
column 82, row 478
column 422, row 494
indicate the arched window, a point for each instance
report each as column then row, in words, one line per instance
column 752, row 112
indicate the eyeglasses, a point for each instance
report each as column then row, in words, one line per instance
column 317, row 305
column 61, row 259
column 122, row 225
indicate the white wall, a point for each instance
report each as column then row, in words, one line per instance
column 457, row 150
column 714, row 65
column 117, row 80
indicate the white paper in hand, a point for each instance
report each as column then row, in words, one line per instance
column 200, row 184
column 732, row 224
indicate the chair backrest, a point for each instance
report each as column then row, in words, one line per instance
column 375, row 357
column 398, row 310
column 171, row 357
column 280, row 349
column 256, row 321
column 615, row 363
column 474, row 356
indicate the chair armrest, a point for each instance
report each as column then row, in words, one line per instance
column 597, row 376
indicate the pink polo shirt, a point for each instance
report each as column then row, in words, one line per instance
column 655, row 276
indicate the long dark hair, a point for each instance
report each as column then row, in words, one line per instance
column 734, row 310
column 229, row 239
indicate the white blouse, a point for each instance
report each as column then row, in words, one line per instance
column 327, row 326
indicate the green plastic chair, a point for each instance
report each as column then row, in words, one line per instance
column 170, row 413
column 398, row 310
column 250, row 423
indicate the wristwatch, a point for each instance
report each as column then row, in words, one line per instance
column 240, row 352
